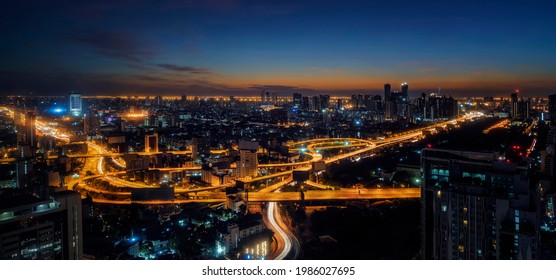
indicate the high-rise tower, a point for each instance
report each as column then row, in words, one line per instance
column 405, row 90
column 75, row 105
column 248, row 162
column 514, row 103
column 387, row 92
column 30, row 130
column 475, row 206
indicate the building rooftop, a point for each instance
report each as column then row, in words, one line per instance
column 11, row 203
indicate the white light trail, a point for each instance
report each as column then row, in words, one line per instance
column 287, row 240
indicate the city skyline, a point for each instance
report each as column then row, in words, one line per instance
column 241, row 48
column 308, row 177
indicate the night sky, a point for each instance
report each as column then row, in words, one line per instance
column 238, row 47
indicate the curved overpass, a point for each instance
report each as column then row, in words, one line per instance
column 346, row 194
column 362, row 145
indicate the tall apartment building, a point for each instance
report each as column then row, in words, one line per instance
column 248, row 161
column 476, row 205
column 75, row 105
column 44, row 229
column 200, row 147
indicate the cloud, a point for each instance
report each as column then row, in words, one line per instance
column 188, row 69
column 115, row 44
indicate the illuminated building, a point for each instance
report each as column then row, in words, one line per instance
column 548, row 178
column 297, row 98
column 248, row 238
column 31, row 130
column 75, row 105
column 24, row 167
column 514, row 104
column 438, row 107
column 248, row 162
column 476, row 205
column 158, row 100
column 200, row 147
column 520, row 107
column 405, row 90
column 151, row 143
column 91, row 123
column 43, row 229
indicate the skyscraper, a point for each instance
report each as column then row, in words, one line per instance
column 297, row 97
column 151, row 143
column 42, row 229
column 316, row 105
column 158, row 101
column 552, row 108
column 24, row 167
column 387, row 92
column 30, row 130
column 248, row 161
column 200, row 147
column 523, row 108
column 324, row 101
column 435, row 107
column 514, row 103
column 475, row 206
column 405, row 90
column 547, row 180
column 75, row 105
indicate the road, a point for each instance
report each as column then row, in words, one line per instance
column 286, row 240
column 344, row 194
column 284, row 243
column 311, row 148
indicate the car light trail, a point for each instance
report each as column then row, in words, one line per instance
column 272, row 212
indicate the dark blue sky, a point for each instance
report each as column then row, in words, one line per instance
column 241, row 47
